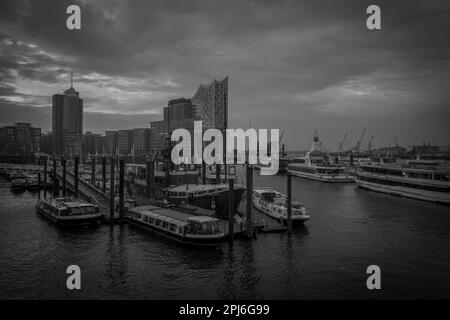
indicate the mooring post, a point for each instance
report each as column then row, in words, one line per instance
column 45, row 178
column 203, row 173
column 121, row 188
column 93, row 171
column 231, row 210
column 64, row 162
column 75, row 172
column 249, row 200
column 39, row 184
column 54, row 167
column 104, row 175
column 148, row 177
column 55, row 186
column 152, row 178
column 289, row 203
column 218, row 173
column 111, row 189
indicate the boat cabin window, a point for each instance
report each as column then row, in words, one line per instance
column 136, row 215
column 268, row 196
column 145, row 219
column 83, row 210
column 157, row 222
column 165, row 225
column 64, row 212
column 209, row 227
column 172, row 227
column 151, row 220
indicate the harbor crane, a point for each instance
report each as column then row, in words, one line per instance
column 341, row 144
column 358, row 143
column 369, row 144
column 396, row 142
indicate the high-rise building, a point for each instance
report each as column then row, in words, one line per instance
column 141, row 141
column 67, row 122
column 158, row 136
column 110, row 142
column 20, row 139
column 91, row 143
column 179, row 114
column 211, row 105
column 124, row 141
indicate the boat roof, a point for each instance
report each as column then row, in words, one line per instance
column 201, row 219
column 201, row 187
column 170, row 215
column 266, row 190
column 70, row 203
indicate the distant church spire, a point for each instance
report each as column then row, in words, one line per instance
column 71, row 79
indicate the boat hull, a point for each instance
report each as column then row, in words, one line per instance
column 220, row 200
column 198, row 242
column 296, row 219
column 78, row 222
column 413, row 193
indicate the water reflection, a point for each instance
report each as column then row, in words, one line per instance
column 116, row 261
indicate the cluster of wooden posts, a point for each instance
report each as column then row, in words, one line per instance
column 150, row 188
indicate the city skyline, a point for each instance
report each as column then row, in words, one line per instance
column 327, row 72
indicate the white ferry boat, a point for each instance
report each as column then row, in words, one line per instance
column 318, row 165
column 178, row 226
column 274, row 204
column 69, row 211
column 418, row 179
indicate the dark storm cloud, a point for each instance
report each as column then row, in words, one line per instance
column 312, row 60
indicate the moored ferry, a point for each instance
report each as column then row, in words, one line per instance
column 418, row 179
column 274, row 204
column 18, row 184
column 69, row 211
column 318, row 165
column 178, row 226
column 206, row 196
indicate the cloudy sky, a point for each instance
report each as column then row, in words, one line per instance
column 294, row 65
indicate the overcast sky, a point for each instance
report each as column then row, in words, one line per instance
column 293, row 65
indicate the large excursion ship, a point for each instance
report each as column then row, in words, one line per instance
column 178, row 226
column 207, row 196
column 318, row 165
column 274, row 204
column 69, row 211
column 418, row 179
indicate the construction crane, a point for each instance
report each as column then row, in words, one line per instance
column 341, row 144
column 369, row 145
column 358, row 143
column 396, row 142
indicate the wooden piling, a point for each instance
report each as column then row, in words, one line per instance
column 93, row 171
column 75, row 172
column 148, row 177
column 218, row 173
column 152, row 178
column 104, row 175
column 289, row 203
column 55, row 186
column 121, row 188
column 203, row 173
column 111, row 189
column 45, row 178
column 249, row 200
column 231, row 210
column 54, row 167
column 39, row 184
column 64, row 163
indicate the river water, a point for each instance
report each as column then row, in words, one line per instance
column 350, row 229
